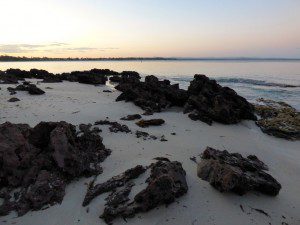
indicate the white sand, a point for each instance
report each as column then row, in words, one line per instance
column 202, row 204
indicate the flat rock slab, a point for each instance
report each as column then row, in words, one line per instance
column 278, row 119
column 231, row 172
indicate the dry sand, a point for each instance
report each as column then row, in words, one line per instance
column 79, row 103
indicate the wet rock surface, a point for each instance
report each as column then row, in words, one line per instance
column 152, row 122
column 166, row 183
column 151, row 95
column 278, row 119
column 132, row 117
column 37, row 163
column 115, row 127
column 231, row 172
column 208, row 101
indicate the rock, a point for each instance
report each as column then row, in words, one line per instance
column 126, row 76
column 152, row 122
column 144, row 135
column 107, row 91
column 52, row 79
column 38, row 163
column 278, row 119
column 208, row 102
column 30, row 88
column 115, row 127
column 13, row 100
column 163, row 139
column 7, row 79
column 152, row 95
column 113, row 183
column 231, row 172
column 166, row 183
column 132, row 117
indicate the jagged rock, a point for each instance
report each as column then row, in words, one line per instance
column 132, row 117
column 152, row 122
column 232, row 172
column 166, row 183
column 37, row 163
column 30, row 88
column 13, row 100
column 151, row 95
column 115, row 127
column 278, row 119
column 113, row 183
column 208, row 102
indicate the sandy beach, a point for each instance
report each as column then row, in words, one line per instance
column 80, row 103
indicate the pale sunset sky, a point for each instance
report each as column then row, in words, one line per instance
column 148, row 28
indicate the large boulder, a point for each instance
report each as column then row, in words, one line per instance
column 278, row 119
column 231, row 172
column 208, row 101
column 37, row 163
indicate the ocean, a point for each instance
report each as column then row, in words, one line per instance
column 276, row 80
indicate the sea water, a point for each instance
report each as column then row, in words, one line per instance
column 277, row 80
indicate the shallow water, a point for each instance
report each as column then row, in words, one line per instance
column 278, row 80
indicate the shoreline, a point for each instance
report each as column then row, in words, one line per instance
column 82, row 103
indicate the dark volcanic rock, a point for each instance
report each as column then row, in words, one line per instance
column 278, row 119
column 37, row 163
column 13, row 100
column 208, row 101
column 147, row 123
column 111, row 185
column 151, row 95
column 232, row 172
column 132, row 117
column 126, row 76
column 115, row 127
column 166, row 183
column 30, row 88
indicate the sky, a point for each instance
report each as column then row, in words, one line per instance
column 150, row 28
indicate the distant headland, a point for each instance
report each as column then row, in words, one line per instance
column 6, row 58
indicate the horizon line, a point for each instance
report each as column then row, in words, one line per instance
column 213, row 58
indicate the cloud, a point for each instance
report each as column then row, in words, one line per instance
column 52, row 47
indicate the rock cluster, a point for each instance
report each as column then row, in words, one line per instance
column 151, row 95
column 278, row 119
column 208, row 101
column 94, row 76
column 205, row 100
column 166, row 183
column 37, row 163
column 30, row 88
column 232, row 172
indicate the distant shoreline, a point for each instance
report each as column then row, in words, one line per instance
column 46, row 59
